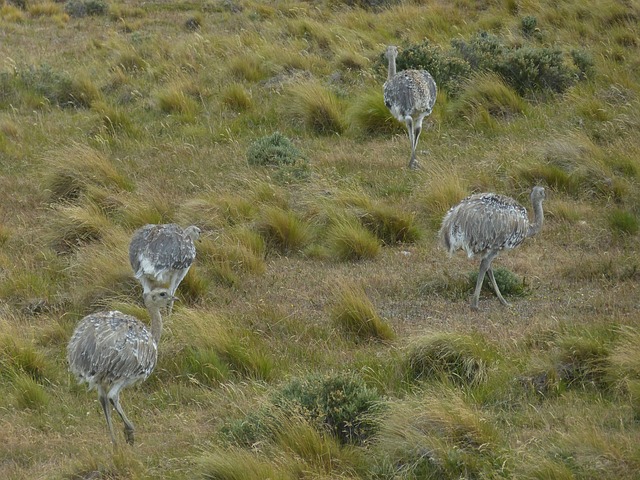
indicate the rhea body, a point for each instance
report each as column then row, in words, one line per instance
column 112, row 350
column 485, row 224
column 410, row 96
column 161, row 255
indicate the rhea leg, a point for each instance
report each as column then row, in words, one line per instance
column 175, row 281
column 412, row 161
column 495, row 287
column 106, row 408
column 114, row 398
column 485, row 265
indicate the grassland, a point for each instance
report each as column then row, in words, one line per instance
column 322, row 333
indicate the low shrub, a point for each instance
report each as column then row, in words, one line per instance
column 273, row 150
column 340, row 404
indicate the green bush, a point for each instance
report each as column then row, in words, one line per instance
column 529, row 69
column 84, row 8
column 341, row 404
column 528, row 25
column 57, row 87
column 273, row 150
column 508, row 282
column 449, row 71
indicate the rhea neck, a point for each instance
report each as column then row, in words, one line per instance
column 538, row 218
column 391, row 56
column 156, row 322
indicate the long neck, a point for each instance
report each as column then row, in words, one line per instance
column 156, row 324
column 538, row 219
column 392, row 66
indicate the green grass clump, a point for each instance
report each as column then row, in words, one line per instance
column 173, row 100
column 58, row 87
column 487, row 93
column 18, row 356
column 368, row 114
column 273, row 150
column 73, row 226
column 463, row 359
column 348, row 240
column 29, row 394
column 436, row 435
column 582, row 360
column 249, row 68
column 389, row 224
column 355, row 314
column 239, row 464
column 318, row 108
column 283, row 230
column 623, row 222
column 72, row 170
column 236, row 97
column 84, row 8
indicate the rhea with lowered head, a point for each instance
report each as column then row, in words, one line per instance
column 161, row 255
column 112, row 350
column 485, row 224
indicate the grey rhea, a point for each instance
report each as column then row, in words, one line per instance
column 161, row 255
column 485, row 224
column 112, row 350
column 410, row 96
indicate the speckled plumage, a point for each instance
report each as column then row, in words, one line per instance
column 161, row 255
column 410, row 95
column 112, row 350
column 485, row 224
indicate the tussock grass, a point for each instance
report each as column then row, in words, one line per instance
column 174, row 100
column 283, row 229
column 113, row 119
column 236, row 97
column 368, row 114
column 623, row 222
column 249, row 67
column 19, row 356
column 487, row 94
column 390, row 224
column 348, row 240
column 73, row 169
column 444, row 188
column 460, row 358
column 73, row 226
column 437, row 434
column 355, row 314
column 582, row 360
column 239, row 464
column 206, row 349
column 29, row 394
column 102, row 272
column 318, row 108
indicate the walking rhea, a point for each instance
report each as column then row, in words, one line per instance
column 410, row 96
column 112, row 350
column 485, row 224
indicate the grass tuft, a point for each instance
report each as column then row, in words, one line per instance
column 236, row 97
column 436, row 434
column 354, row 313
column 368, row 114
column 348, row 240
column 463, row 359
column 239, row 464
column 283, row 229
column 319, row 109
column 623, row 222
column 73, row 169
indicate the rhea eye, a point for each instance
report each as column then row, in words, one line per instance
column 163, row 294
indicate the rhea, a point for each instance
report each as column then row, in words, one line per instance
column 112, row 350
column 484, row 224
column 410, row 96
column 161, row 255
